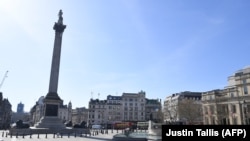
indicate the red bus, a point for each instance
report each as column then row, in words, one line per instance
column 122, row 125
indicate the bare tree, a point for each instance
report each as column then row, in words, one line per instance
column 190, row 110
column 160, row 117
column 171, row 113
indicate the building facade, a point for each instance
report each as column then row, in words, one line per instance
column 129, row 107
column 20, row 108
column 79, row 115
column 231, row 105
column 153, row 109
column 178, row 106
column 114, row 109
column 134, row 106
column 97, row 112
column 5, row 112
column 65, row 112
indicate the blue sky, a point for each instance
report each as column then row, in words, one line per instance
column 114, row 46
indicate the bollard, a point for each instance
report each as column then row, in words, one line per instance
column 75, row 134
column 61, row 135
column 54, row 135
column 23, row 135
column 10, row 135
column 38, row 136
column 2, row 134
column 16, row 135
column 68, row 135
column 30, row 135
column 6, row 135
column 46, row 135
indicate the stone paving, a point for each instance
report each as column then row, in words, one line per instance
column 51, row 137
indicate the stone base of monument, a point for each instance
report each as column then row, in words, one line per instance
column 49, row 125
column 51, row 122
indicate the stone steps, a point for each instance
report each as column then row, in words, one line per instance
column 50, row 122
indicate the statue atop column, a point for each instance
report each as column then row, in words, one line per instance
column 60, row 20
column 59, row 27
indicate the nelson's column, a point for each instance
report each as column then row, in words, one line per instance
column 52, row 101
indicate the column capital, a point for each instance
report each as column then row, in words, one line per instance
column 59, row 27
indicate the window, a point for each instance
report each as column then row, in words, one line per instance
column 206, row 110
column 213, row 120
column 233, row 108
column 212, row 109
column 225, row 109
column 244, row 81
column 245, row 90
column 248, row 109
column 206, row 120
column 234, row 120
column 232, row 94
column 210, row 97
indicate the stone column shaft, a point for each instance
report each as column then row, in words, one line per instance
column 54, row 74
